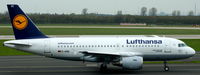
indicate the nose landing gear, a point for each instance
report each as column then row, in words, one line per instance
column 166, row 68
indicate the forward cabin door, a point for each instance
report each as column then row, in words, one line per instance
column 168, row 46
column 47, row 51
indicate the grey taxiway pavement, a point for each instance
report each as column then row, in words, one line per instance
column 39, row 65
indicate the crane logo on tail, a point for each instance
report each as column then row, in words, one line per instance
column 20, row 22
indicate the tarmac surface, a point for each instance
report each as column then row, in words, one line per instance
column 40, row 65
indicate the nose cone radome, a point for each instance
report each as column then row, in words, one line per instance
column 191, row 52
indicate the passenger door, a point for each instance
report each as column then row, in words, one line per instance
column 168, row 46
column 47, row 51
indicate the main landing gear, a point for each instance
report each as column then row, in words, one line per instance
column 166, row 68
column 103, row 67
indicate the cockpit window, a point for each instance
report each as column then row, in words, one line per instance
column 182, row 45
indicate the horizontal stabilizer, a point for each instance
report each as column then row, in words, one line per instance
column 18, row 43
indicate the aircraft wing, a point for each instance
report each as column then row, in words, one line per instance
column 99, row 53
column 104, row 53
column 108, row 55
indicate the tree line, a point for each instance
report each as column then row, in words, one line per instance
column 153, row 12
column 106, row 19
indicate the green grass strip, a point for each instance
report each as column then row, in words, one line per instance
column 109, row 31
column 116, row 25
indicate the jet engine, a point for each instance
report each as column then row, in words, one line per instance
column 134, row 62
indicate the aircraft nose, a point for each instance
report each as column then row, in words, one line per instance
column 192, row 52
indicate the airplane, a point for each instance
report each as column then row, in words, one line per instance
column 127, row 52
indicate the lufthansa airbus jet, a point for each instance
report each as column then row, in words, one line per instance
column 127, row 52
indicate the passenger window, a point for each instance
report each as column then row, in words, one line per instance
column 151, row 45
column 154, row 45
column 148, row 45
column 145, row 45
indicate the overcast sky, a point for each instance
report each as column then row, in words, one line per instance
column 101, row 6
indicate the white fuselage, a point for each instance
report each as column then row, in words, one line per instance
column 150, row 48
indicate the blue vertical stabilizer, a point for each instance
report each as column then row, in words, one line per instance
column 23, row 26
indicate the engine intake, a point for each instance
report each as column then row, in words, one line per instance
column 134, row 62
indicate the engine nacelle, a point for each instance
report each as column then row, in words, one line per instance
column 134, row 62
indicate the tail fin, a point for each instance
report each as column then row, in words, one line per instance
column 23, row 26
